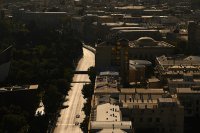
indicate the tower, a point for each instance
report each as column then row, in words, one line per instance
column 121, row 59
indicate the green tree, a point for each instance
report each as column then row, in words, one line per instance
column 12, row 123
column 51, row 99
column 92, row 74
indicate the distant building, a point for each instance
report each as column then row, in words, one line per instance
column 138, row 70
column 143, row 48
column 44, row 19
column 179, row 71
column 138, row 33
column 147, row 48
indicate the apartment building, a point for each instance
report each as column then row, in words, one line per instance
column 152, row 110
column 108, row 119
column 179, row 71
column 190, row 99
column 143, row 48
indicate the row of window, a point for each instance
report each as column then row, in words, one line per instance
column 150, row 119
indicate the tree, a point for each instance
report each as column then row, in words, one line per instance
column 88, row 90
column 92, row 74
column 63, row 86
column 12, row 123
column 51, row 99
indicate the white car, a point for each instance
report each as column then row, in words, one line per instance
column 76, row 123
column 77, row 116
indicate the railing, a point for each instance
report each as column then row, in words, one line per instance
column 89, row 48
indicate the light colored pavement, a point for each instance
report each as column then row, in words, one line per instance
column 66, row 122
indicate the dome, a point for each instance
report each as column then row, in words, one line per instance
column 146, row 41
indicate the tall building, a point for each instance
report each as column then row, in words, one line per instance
column 121, row 59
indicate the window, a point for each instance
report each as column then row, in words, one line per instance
column 163, row 129
column 157, row 119
column 197, row 102
column 142, row 111
column 189, row 111
column 132, row 119
column 150, row 119
column 197, row 109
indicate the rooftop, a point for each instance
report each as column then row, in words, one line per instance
column 179, row 64
column 18, row 88
column 108, row 112
column 131, row 7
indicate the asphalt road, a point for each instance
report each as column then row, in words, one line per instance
column 66, row 122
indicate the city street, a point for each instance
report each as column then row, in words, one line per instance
column 70, row 116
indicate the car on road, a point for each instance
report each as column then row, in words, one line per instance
column 76, row 123
column 64, row 106
column 78, row 116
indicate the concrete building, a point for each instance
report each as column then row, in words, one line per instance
column 138, row 33
column 179, row 71
column 109, row 120
column 152, row 110
column 134, row 10
column 107, row 83
column 149, row 109
column 116, row 57
column 44, row 19
column 190, row 99
column 143, row 48
column 147, row 48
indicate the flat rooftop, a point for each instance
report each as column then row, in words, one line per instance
column 18, row 88
column 108, row 112
column 130, row 8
